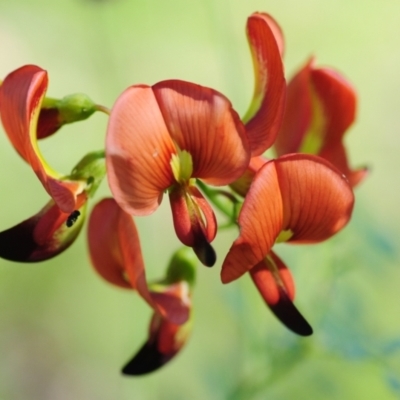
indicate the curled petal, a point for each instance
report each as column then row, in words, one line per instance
column 138, row 151
column 21, row 96
column 302, row 195
column 275, row 284
column 201, row 121
column 265, row 114
column 260, row 221
column 104, row 247
column 338, row 100
column 298, row 113
column 165, row 341
column 116, row 255
column 320, row 107
column 44, row 235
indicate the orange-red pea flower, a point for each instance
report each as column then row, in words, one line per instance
column 21, row 95
column 320, row 107
column 165, row 338
column 297, row 198
column 116, row 255
column 44, row 235
column 164, row 137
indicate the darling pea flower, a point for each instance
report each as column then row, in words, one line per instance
column 116, row 255
column 51, row 230
column 164, row 137
column 22, row 95
column 44, row 235
column 297, row 198
column 320, row 107
column 166, row 338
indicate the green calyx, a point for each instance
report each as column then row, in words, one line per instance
column 92, row 169
column 71, row 108
column 182, row 267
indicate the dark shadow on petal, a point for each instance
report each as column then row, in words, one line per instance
column 147, row 360
column 290, row 316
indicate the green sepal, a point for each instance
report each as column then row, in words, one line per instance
column 71, row 108
column 182, row 267
column 92, row 169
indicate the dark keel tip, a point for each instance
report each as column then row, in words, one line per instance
column 205, row 252
column 290, row 316
column 147, row 360
column 17, row 243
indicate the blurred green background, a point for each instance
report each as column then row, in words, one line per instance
column 64, row 333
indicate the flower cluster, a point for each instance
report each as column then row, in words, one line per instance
column 182, row 139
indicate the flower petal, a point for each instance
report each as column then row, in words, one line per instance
column 242, row 185
column 275, row 284
column 298, row 113
column 260, row 221
column 138, row 151
column 338, row 100
column 265, row 114
column 165, row 341
column 317, row 198
column 194, row 221
column 42, row 236
column 201, row 121
column 21, row 95
column 116, row 254
column 320, row 107
column 298, row 193
column 104, row 246
column 338, row 157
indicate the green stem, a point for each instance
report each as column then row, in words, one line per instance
column 103, row 109
column 229, row 209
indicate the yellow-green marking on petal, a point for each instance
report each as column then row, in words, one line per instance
column 182, row 166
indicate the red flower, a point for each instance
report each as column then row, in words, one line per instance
column 320, row 107
column 296, row 198
column 116, row 255
column 26, row 116
column 163, row 138
column 44, row 235
column 21, row 97
column 165, row 340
